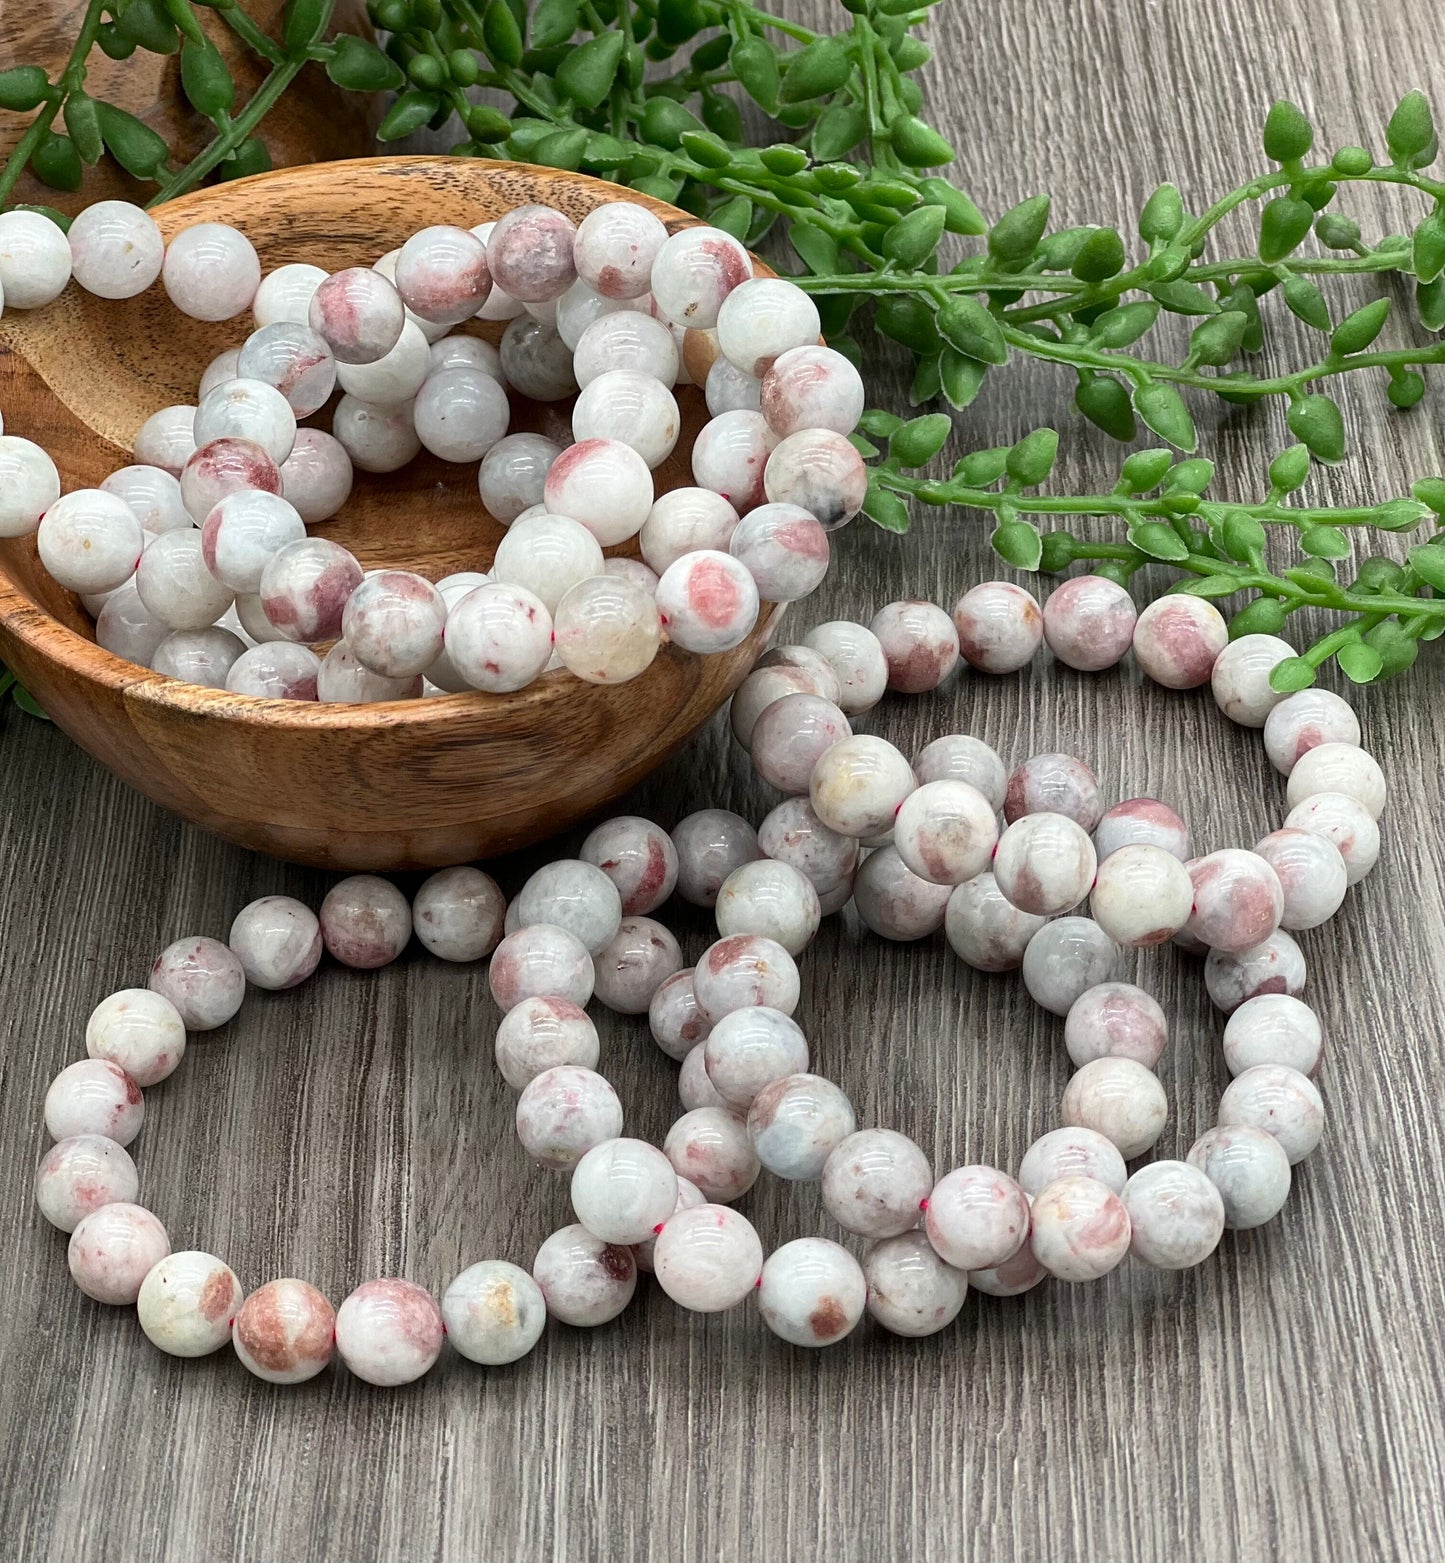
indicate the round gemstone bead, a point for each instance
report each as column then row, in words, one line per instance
column 895, row 902
column 1013, row 1277
column 540, row 961
column 90, row 541
column 631, row 408
column 791, row 735
column 1120, row 1099
column 124, row 627
column 203, row 979
column 541, row 1034
column 1279, row 1100
column 225, row 466
column 762, row 319
column 626, row 340
column 622, row 1190
column 247, row 410
column 1044, row 864
column 751, row 1048
column 203, row 657
column 379, row 402
column 857, row 658
column 344, row 679
column 820, row 472
column 1240, row 678
column 1311, row 873
column 615, row 247
column 94, row 1096
column 1273, row 1028
column 138, row 1031
column 709, row 1146
column 1339, row 768
column 745, row 970
column 536, row 362
column 499, row 637
column 811, row 387
column 81, row 1175
column 813, row 1292
column 1143, row 895
column 285, row 295
column 513, row 474
column 1249, row 1169
column 1237, row 899
column 1080, row 1229
column 710, row 844
column 956, row 757
column 442, row 274
column 729, row 456
column 1071, row 1153
column 639, row 858
column 911, row 1291
column 279, row 671
column 35, row 259
column 152, row 492
column 685, row 521
column 999, row 627
column 376, row 438
column 293, row 360
column 365, row 921
column 1177, row 639
column 796, row 1122
column 243, row 533
column 729, row 389
column 694, row 271
column 945, row 832
column 167, row 439
column 694, row 1089
column 583, row 1280
column 494, row 1313
column 358, row 313
column 458, row 914
column 176, row 586
column 1176, row 1216
column 116, row 250
column 465, row 352
column 389, row 1332
column 793, row 834
column 1063, row 960
column 285, row 1332
column 874, row 1183
column 29, row 485
column 1304, row 720
column 919, row 642
column 1275, row 965
column 707, row 1257
column 673, row 1016
column 547, row 555
column 859, row 784
column 784, row 549
column 708, row 601
column 529, row 252
column 460, row 414
column 634, row 963
column 1054, row 784
column 1141, row 822
column 985, row 929
column 187, row 1302
column 1115, row 1020
column 277, row 940
column 1089, row 622
column 574, row 895
column 760, row 689
column 977, row 1218
column 1346, row 822
column 605, row 485
column 113, row 1249
column 305, row 587
column 563, row 1112
column 211, row 271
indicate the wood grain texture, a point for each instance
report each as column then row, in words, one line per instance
column 1280, row 1403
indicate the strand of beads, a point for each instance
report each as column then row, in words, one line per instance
column 197, row 562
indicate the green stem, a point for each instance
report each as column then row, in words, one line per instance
column 71, row 79
column 250, row 34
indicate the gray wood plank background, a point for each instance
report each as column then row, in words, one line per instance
column 1282, row 1402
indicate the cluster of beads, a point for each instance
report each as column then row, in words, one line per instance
column 197, row 561
column 999, row 860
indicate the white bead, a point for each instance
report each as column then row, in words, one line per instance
column 1338, row 768
column 694, row 271
column 634, row 963
column 911, row 1291
column 222, row 467
column 792, row 833
column 116, row 250
column 895, row 902
column 708, row 601
column 187, row 1302
column 710, row 1147
column 394, row 378
column 1089, row 622
column 34, row 260
column 1120, row 1099
column 494, row 1313
column 1311, row 873
column 365, row 922
column 689, row 1197
column 548, row 555
column 1044, row 864
column 622, row 1190
column 819, row 471
column 1141, row 822
column 138, row 1031
column 960, row 758
column 730, row 389
column 499, row 637
column 513, row 474
column 796, row 1122
column 673, row 1016
column 460, row 414
column 465, row 352
column 389, row 1332
column 563, row 1112
column 285, row 294
column 275, row 671
column 394, row 622
column 985, row 929
column 1142, row 895
column 153, row 493
column 615, row 247
column 529, row 251
column 581, row 307
column 113, row 1249
column 1176, row 1216
column 540, row 961
column 126, row 628
column 211, row 271
column 684, row 521
column 874, row 1183
column 813, row 1292
column 29, row 484
column 94, row 1096
column 457, row 914
column 1240, row 678
column 759, row 690
column 573, row 895
column 632, row 408
column 376, row 438
column 290, row 357
column 1279, row 1100
column 166, row 439
column 244, row 532
column 1274, row 965
column 857, row 657
column 751, row 1048
column 785, row 550
column 762, row 319
column 500, row 305
column 359, row 315
column 771, row 900
column 277, row 940
column 694, row 1088
column 710, row 845
column 1080, row 1229
column 1346, row 822
column 90, row 541
column 605, row 485
column 1064, row 959
column 204, row 657
column 541, row 1034
column 1302, row 720
column 1115, row 1020
column 811, row 387
column 730, row 455
column 585, row 1281
column 285, row 1332
column 999, row 629
column 176, row 587
column 1273, row 1028
column 344, row 679
column 977, row 1218
column 81, row 1175
column 607, row 630
column 203, row 979
column 1250, row 1170
column 707, row 1258
column 859, row 784
column 1071, row 1153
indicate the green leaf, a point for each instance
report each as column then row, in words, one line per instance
column 734, row 217
column 927, row 380
column 1431, row 492
column 1397, row 650
column 982, row 468
column 302, row 23
column 1100, row 257
column 1144, row 470
column 1032, row 459
column 413, row 109
column 817, row 250
column 562, row 149
column 1282, row 225
column 839, row 128
column 1185, row 298
column 84, row 127
column 908, row 320
column 206, row 79
column 865, row 448
column 1430, row 302
column 1361, row 664
column 1104, row 401
column 1018, row 544
column 1311, row 573
column 1411, row 128
column 707, row 148
column 815, row 70
column 1015, row 236
column 1427, row 560
column 23, row 87
column 136, row 147
column 755, row 64
column 1161, row 408
column 1189, row 477
column 1354, row 161
column 1207, row 586
column 1290, row 469
column 1287, row 133
column 587, row 73
column 1122, row 327
column 1324, row 542
column 880, row 424
column 359, row 66
column 1400, row 515
column 1291, row 675
column 885, row 508
column 55, row 162
column 251, row 157
column 1405, row 389
column 665, row 123
column 961, row 215
column 969, row 327
column 486, row 124
column 1317, row 421
column 1357, row 330
column 1162, row 216
column 1058, row 552
column 1215, row 341
column 28, row 703
column 554, row 22
column 501, row 35
column 920, row 439
column 1336, row 232
column 913, row 238
column 1159, row 540
column 1306, row 302
column 1263, row 616
column 918, row 145
column 1428, row 250
column 146, row 24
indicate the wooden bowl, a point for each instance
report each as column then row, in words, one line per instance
column 393, row 785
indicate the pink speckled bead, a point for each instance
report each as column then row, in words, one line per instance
column 187, row 1303
column 761, row 688
column 811, row 387
column 279, row 671
column 540, row 961
column 1071, row 1153
column 634, row 963
column 94, row 1096
column 442, row 274
column 389, row 1332
column 820, row 472
column 138, row 1031
column 285, row 1332
column 358, row 313
column 945, row 832
column 1240, row 678
column 615, row 246
column 729, row 456
column 541, row 1034
column 605, row 485
column 673, row 1016
column 710, row 845
column 345, row 680
column 911, row 1291
column 1176, row 1217
column 893, row 901
column 919, row 642
column 1044, row 864
column 985, row 929
column 751, row 1048
column 977, row 1217
column 1275, row 965
column 812, row 1293
column 529, row 253
column 1279, row 1100
column 167, row 439
column 623, row 1190
column 857, row 658
column 499, row 637
column 1014, row 1276
column 1054, row 784
column 1064, row 959
column 1237, row 899
column 1089, row 622
column 1338, row 768
column 638, row 857
column 1177, row 639
column 247, row 410
column 858, row 786
column 708, row 602
column 1249, row 1169
column 113, row 1249
column 293, row 360
column 211, row 271
column 743, row 970
column 1303, row 720
column 999, row 628
column 707, row 1257
column 305, row 588
column 563, row 1112
column 1344, row 821
column 458, row 914
column 1273, row 1028
column 874, row 1183
column 394, row 623
column 494, row 1312
column 796, row 1122
column 1142, row 895
column 793, row 834
column 277, row 940
column 694, row 271
column 710, row 1147
column 1080, row 1229
column 116, row 250
column 1141, row 822
column 225, row 466
column 960, row 758
column 1311, row 873
column 81, row 1175
column 791, row 735
column 584, row 1281
column 784, row 549
column 243, row 533
column 365, row 921
column 694, row 1089
column 203, row 979
column 1120, row 1099
column 1115, row 1020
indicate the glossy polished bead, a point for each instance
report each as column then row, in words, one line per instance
column 820, row 472
column 167, row 439
column 277, row 939
column 494, row 1312
column 1240, row 678
column 540, row 961
column 379, row 406
column 574, row 895
column 175, row 584
column 389, row 1332
column 1237, row 899
column 547, row 555
column 116, row 250
column 1302, row 721
column 634, row 963
column 1275, row 965
column 290, row 358
column 584, row 1281
column 957, row 757
column 187, row 1302
column 203, row 657
column 707, row 1257
column 945, row 832
column 1013, row 1277
column 152, row 492
column 358, row 313
column 365, row 921
column 1346, row 822
column 751, row 1048
column 536, row 362
column 1279, row 1100
column 376, row 438
column 1115, row 1020
column 708, row 602
column 622, row 1190
column 563, row 1112
column 442, row 274
column 811, row 387
column 711, row 845
column 344, row 679
column 628, row 341
column 513, row 473
column 791, row 735
column 919, row 642
column 999, row 627
column 762, row 319
column 694, row 1088
column 306, row 586
column 225, row 466
column 632, row 408
column 729, row 456
column 211, row 271
column 94, row 1096
column 813, row 1292
column 984, row 929
column 1311, row 873
column 784, row 549
column 689, row 1197
column 285, row 1332
column 977, row 1217
column 1089, row 622
column 1339, row 768
column 90, row 541
column 1177, row 639
column 761, row 688
column 113, row 1249
column 529, row 253
column 35, row 259
column 639, row 858
column 605, row 485
column 859, row 784
column 893, row 901
column 728, row 389
column 1063, row 960
column 1080, row 1229
column 694, row 271
column 247, row 410
column 796, row 1122
column 1120, row 1099
column 793, row 834
column 874, row 1183
column 125, row 628
column 1273, row 1028
column 275, row 672
column 710, row 1147
column 615, row 246
column 29, row 485
column 1143, row 895
column 685, row 521
column 1250, row 1170
column 138, row 1031
column 1044, row 864
column 1071, row 1153
column 1176, row 1216
column 541, row 1034
column 458, row 914
column 243, row 533
column 857, row 658
column 285, row 295
column 460, row 414
column 911, row 1291
column 1141, row 822
column 203, row 979
column 83, row 1174
column 676, row 1022
column 499, row 637
column 1054, row 784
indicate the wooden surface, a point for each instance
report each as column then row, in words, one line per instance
column 1283, row 1402
column 379, row 786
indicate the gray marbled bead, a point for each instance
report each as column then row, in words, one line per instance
column 1071, row 1153
column 911, row 1291
column 1116, row 1020
column 750, row 1049
column 1066, row 958
column 1054, row 784
column 277, row 941
column 791, row 735
column 1280, row 1101
column 874, row 1183
column 676, row 1023
column 893, row 901
column 1249, row 1168
column 1273, row 1028
column 771, row 900
column 576, row 896
column 639, row 857
column 1176, row 1215
column 793, row 834
column 1274, row 965
column 641, row 956
column 710, row 845
column 985, row 929
column 958, row 757
column 797, row 1122
column 1311, row 873
column 1119, row 1099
